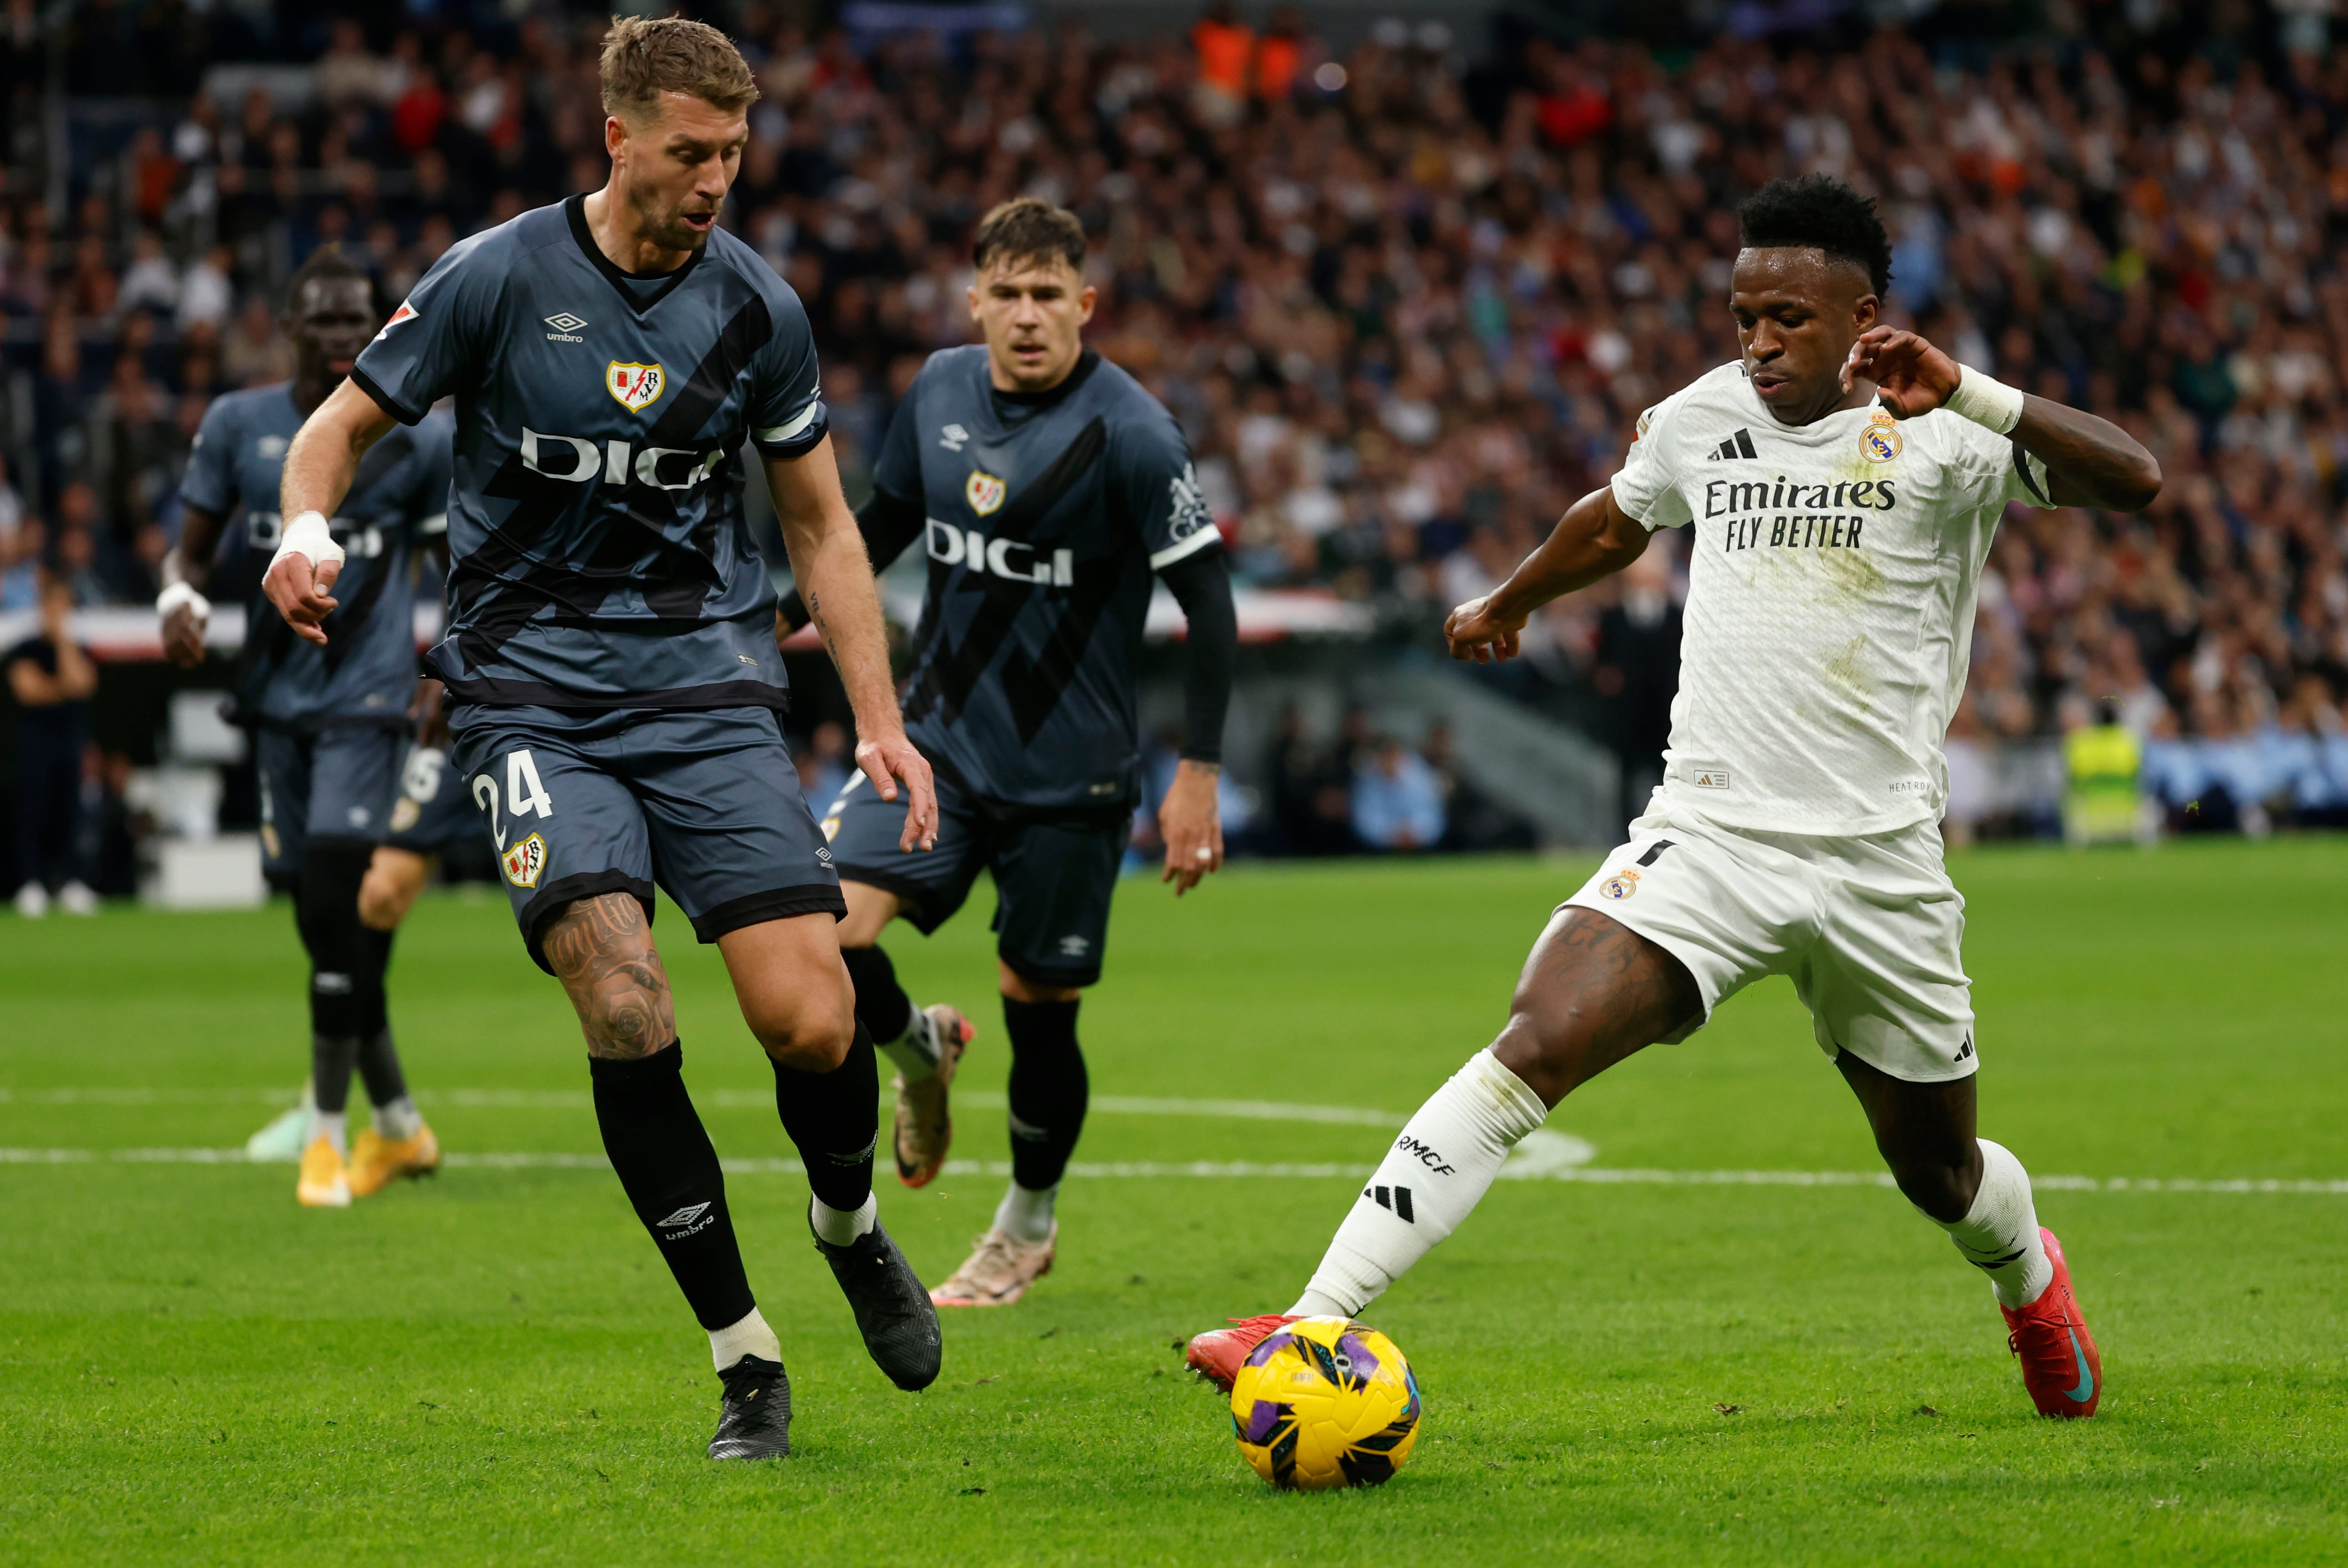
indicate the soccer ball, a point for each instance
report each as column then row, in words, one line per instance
column 1325, row 1402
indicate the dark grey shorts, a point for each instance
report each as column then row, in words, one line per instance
column 336, row 785
column 1054, row 873
column 433, row 811
column 704, row 802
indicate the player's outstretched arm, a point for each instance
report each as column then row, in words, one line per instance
column 835, row 577
column 319, row 467
column 187, row 578
column 1595, row 538
column 2092, row 461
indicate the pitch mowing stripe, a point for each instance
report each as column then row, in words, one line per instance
column 722, row 1099
column 1215, row 1170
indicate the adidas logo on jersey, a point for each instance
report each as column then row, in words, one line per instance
column 1739, row 445
column 1013, row 560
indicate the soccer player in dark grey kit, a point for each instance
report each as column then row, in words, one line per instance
column 612, row 673
column 1049, row 489
column 330, row 721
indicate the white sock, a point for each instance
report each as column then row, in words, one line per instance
column 750, row 1337
column 1435, row 1173
column 842, row 1226
column 915, row 1051
column 1999, row 1234
column 1025, row 1214
column 335, row 1127
column 400, row 1120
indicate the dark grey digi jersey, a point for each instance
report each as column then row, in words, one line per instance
column 598, row 557
column 1046, row 517
column 366, row 672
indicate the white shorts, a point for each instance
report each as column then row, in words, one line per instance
column 1869, row 930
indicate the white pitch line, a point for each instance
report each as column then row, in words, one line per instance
column 1254, row 1170
column 720, row 1100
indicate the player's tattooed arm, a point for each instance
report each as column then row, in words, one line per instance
column 1595, row 538
column 2089, row 460
column 601, row 950
column 835, row 574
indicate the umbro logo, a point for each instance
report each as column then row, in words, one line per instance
column 1739, row 445
column 953, row 437
column 683, row 1217
column 1396, row 1199
column 566, row 327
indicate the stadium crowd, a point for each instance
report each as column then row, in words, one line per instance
column 1406, row 310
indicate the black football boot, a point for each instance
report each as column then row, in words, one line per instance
column 893, row 1310
column 756, row 1422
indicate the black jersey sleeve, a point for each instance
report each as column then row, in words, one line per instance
column 434, row 471
column 786, row 407
column 1160, row 489
column 897, row 467
column 209, row 483
column 441, row 336
column 1201, row 585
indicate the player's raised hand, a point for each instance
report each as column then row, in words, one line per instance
column 1910, row 376
column 301, row 592
column 1476, row 632
column 890, row 758
column 1190, row 821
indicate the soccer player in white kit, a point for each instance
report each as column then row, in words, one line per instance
column 1844, row 480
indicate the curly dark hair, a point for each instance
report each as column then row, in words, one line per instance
column 1819, row 212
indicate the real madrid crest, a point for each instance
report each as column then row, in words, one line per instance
column 637, row 386
column 1621, row 884
column 984, row 492
column 1879, row 442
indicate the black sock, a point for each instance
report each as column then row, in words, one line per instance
column 374, row 947
column 1048, row 1089
column 881, row 1005
column 834, row 1118
column 326, row 912
column 378, row 1062
column 666, row 1166
column 332, row 1057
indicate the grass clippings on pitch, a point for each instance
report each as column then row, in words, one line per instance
column 494, row 1366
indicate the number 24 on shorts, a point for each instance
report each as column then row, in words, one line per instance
column 525, row 795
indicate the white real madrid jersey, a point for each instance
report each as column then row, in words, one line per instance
column 1830, row 600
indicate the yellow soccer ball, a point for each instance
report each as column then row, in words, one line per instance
column 1325, row 1402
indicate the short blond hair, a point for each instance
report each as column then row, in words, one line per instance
column 646, row 57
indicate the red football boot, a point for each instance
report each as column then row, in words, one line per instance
column 2060, row 1368
column 1218, row 1353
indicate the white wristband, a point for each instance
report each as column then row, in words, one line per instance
column 307, row 533
column 178, row 595
column 1985, row 400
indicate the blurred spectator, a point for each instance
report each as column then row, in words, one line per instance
column 1636, row 669
column 1473, row 823
column 51, row 679
column 1397, row 799
column 823, row 765
column 20, row 564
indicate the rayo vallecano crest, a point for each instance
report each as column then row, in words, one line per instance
column 983, row 491
column 637, row 386
column 525, row 861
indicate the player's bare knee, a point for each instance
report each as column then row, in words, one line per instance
column 1545, row 1056
column 808, row 1040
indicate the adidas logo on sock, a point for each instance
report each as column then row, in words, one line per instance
column 1739, row 445
column 1395, row 1198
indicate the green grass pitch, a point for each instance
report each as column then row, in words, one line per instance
column 494, row 1366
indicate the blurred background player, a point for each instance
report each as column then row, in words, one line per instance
column 1844, row 480
column 329, row 722
column 1049, row 490
column 612, row 675
column 431, row 813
